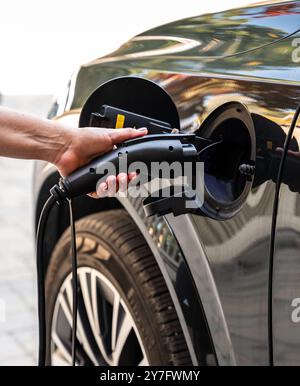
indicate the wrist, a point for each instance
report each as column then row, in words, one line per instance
column 63, row 136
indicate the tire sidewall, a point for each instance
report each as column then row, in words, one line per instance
column 118, row 272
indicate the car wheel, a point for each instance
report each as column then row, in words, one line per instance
column 125, row 312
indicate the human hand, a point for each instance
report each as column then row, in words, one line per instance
column 86, row 143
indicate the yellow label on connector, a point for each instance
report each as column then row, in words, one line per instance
column 120, row 121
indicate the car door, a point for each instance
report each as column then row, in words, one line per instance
column 285, row 291
column 238, row 250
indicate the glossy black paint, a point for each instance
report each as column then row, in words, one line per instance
column 285, row 283
column 249, row 56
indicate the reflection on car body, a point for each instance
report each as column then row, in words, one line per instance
column 217, row 273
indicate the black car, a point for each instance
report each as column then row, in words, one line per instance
column 215, row 288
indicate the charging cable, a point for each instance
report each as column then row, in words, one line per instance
column 74, row 282
column 41, row 280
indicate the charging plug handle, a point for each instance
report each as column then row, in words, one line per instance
column 147, row 149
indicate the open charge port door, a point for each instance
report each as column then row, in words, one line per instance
column 225, row 143
column 228, row 168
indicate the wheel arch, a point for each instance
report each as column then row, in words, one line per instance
column 58, row 222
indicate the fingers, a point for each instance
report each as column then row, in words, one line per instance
column 101, row 191
column 111, row 182
column 113, row 185
column 121, row 135
column 132, row 176
column 122, row 180
column 108, row 188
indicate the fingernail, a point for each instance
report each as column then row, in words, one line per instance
column 142, row 129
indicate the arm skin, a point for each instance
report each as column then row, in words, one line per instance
column 68, row 148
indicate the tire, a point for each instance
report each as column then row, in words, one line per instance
column 111, row 247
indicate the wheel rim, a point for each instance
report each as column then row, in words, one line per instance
column 106, row 332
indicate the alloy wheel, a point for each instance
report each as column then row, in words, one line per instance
column 106, row 332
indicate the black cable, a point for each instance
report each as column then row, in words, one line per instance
column 74, row 283
column 54, row 197
column 41, row 279
column 273, row 229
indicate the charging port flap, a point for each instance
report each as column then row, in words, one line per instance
column 225, row 144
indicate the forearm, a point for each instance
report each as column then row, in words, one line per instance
column 25, row 136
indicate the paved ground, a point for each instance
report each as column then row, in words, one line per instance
column 18, row 318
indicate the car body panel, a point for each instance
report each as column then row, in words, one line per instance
column 286, row 262
column 247, row 61
column 227, row 262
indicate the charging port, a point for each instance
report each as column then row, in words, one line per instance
column 226, row 188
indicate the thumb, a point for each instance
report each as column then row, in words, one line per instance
column 121, row 135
